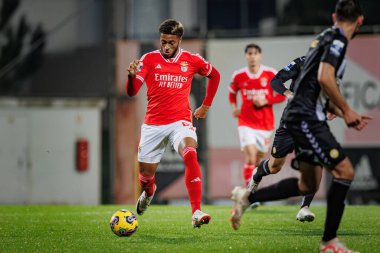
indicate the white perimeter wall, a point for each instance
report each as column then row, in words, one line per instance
column 37, row 154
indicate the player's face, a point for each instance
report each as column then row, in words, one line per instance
column 253, row 57
column 169, row 44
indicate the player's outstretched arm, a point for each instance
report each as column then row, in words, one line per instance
column 235, row 109
column 133, row 84
column 291, row 71
column 212, row 87
column 278, row 85
column 233, row 102
column 333, row 111
column 327, row 80
column 232, row 94
column 277, row 82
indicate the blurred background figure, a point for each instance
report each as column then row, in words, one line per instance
column 255, row 115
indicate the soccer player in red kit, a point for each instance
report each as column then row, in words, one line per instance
column 255, row 117
column 168, row 73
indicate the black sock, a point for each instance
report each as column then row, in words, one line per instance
column 335, row 207
column 306, row 201
column 261, row 171
column 284, row 189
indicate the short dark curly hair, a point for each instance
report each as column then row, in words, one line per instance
column 348, row 10
column 252, row 45
column 171, row 26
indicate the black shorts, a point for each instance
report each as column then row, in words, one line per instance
column 314, row 143
column 283, row 143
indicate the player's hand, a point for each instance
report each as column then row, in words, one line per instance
column 352, row 118
column 355, row 120
column 330, row 116
column 364, row 122
column 288, row 94
column 260, row 102
column 133, row 68
column 236, row 112
column 201, row 112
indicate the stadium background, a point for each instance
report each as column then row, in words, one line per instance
column 62, row 74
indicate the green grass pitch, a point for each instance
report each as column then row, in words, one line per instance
column 168, row 229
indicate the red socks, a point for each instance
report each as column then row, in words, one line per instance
column 247, row 172
column 147, row 184
column 193, row 177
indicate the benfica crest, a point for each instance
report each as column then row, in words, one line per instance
column 263, row 82
column 184, row 66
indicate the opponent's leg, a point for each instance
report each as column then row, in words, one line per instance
column 266, row 167
column 305, row 214
column 343, row 173
column 283, row 144
column 286, row 188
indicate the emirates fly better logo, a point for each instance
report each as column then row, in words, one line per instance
column 170, row 81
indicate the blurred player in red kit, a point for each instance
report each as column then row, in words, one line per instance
column 255, row 117
column 168, row 73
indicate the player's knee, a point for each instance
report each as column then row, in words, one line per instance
column 351, row 174
column 344, row 170
column 147, row 169
column 348, row 173
column 275, row 164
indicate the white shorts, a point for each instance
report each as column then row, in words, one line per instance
column 154, row 139
column 259, row 138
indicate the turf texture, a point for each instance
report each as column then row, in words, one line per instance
column 52, row 228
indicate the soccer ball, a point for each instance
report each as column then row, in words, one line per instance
column 123, row 223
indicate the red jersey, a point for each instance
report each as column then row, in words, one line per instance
column 252, row 86
column 169, row 84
